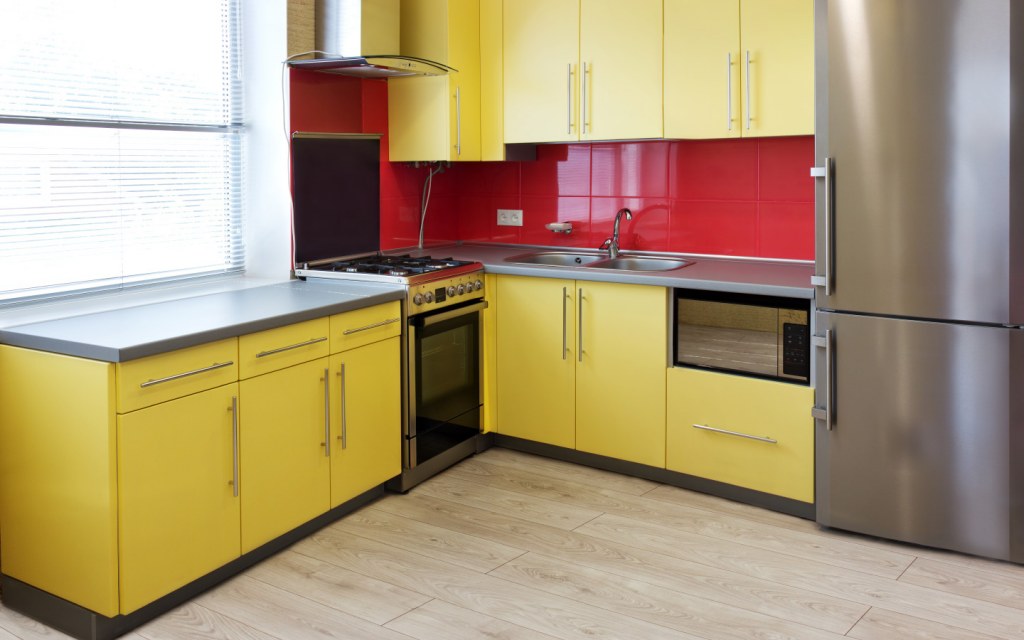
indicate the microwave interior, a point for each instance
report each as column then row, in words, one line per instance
column 761, row 336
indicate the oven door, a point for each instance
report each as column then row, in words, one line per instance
column 445, row 393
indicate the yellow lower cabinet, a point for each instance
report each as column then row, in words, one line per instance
column 366, row 412
column 285, row 471
column 179, row 513
column 742, row 431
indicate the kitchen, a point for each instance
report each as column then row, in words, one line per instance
column 584, row 161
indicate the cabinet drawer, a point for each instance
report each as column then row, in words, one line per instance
column 163, row 377
column 355, row 328
column 752, row 433
column 274, row 349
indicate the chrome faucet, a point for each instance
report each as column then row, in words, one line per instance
column 612, row 243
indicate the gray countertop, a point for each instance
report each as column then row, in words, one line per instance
column 143, row 330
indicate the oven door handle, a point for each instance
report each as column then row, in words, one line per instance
column 448, row 315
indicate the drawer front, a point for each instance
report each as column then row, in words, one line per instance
column 163, row 377
column 274, row 349
column 752, row 433
column 355, row 328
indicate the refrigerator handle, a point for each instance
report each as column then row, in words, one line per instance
column 826, row 413
column 826, row 172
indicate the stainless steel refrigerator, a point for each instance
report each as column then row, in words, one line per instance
column 919, row 366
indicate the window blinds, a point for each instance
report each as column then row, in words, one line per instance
column 121, row 143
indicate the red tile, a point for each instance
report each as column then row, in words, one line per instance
column 399, row 222
column 399, row 180
column 442, row 220
column 784, row 169
column 722, row 228
column 713, row 170
column 630, row 169
column 647, row 231
column 477, row 219
column 487, row 178
column 537, row 211
column 786, row 230
column 324, row 102
column 375, row 106
column 559, row 170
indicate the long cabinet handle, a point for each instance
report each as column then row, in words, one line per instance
column 565, row 346
column 579, row 326
column 826, row 172
column 264, row 354
column 728, row 90
column 327, row 412
column 234, row 445
column 748, row 89
column 348, row 332
column 178, row 376
column 568, row 99
column 344, row 411
column 704, row 427
column 458, row 122
column 826, row 413
column 583, row 99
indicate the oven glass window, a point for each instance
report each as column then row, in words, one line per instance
column 448, row 370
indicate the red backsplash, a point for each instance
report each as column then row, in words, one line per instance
column 728, row 197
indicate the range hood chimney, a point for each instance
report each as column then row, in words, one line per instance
column 361, row 38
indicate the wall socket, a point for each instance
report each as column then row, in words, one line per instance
column 510, row 217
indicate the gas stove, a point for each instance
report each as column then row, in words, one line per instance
column 430, row 283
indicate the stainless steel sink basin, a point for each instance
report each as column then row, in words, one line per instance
column 557, row 258
column 639, row 263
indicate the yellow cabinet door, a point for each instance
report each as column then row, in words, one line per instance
column 620, row 69
column 366, row 408
column 743, row 431
column 536, row 359
column 285, row 471
column 778, row 80
column 179, row 514
column 620, row 380
column 541, row 68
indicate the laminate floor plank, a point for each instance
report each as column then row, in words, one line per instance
column 880, row 624
column 1003, row 585
column 732, row 588
column 362, row 596
column 439, row 620
column 479, row 592
column 769, row 538
column 7, row 635
column 25, row 628
column 198, row 622
column 643, row 600
column 568, row 471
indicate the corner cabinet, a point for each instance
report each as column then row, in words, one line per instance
column 582, row 70
column 739, row 68
column 581, row 365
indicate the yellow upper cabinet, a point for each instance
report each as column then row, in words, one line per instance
column 438, row 117
column 739, row 68
column 582, row 70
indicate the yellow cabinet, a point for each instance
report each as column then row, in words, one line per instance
column 742, row 431
column 739, row 68
column 177, row 497
column 582, row 70
column 581, row 365
column 366, row 419
column 437, row 117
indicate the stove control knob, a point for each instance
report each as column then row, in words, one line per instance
column 451, row 292
column 478, row 285
column 429, row 296
column 462, row 289
column 417, row 299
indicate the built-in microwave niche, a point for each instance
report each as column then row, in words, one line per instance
column 752, row 335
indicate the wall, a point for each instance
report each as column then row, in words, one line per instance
column 750, row 197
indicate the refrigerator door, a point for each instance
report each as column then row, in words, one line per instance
column 927, row 438
column 914, row 109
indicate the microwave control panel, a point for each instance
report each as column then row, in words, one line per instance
column 796, row 359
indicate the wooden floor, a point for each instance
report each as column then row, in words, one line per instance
column 507, row 545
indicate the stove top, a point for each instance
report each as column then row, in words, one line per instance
column 398, row 266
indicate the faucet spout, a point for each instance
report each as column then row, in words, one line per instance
column 612, row 243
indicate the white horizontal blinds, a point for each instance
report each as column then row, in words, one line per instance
column 121, row 143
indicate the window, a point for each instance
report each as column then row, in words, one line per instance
column 121, row 143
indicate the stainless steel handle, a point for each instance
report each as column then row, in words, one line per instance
column 264, row 354
column 826, row 172
column 234, row 445
column 441, row 317
column 344, row 411
column 728, row 90
column 348, row 332
column 579, row 327
column 826, row 413
column 458, row 123
column 704, row 427
column 568, row 99
column 583, row 99
column 327, row 412
column 565, row 347
column 178, row 376
column 748, row 89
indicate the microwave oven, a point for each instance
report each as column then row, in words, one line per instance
column 761, row 336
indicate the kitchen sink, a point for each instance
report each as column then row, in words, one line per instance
column 557, row 258
column 639, row 263
column 599, row 261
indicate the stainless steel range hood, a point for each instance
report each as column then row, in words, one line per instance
column 361, row 38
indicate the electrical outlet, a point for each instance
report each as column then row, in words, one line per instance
column 510, row 217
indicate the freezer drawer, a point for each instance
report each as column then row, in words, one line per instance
column 927, row 433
